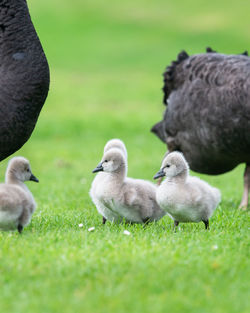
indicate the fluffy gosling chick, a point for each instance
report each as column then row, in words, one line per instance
column 112, row 143
column 185, row 198
column 16, row 201
column 125, row 198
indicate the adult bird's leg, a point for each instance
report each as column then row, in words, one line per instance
column 159, row 181
column 161, row 178
column 206, row 224
column 104, row 220
column 244, row 200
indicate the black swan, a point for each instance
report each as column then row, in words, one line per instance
column 208, row 112
column 24, row 76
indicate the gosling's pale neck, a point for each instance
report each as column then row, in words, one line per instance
column 180, row 178
column 120, row 174
column 10, row 178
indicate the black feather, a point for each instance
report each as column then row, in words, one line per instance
column 24, row 76
column 210, row 50
column 168, row 75
column 245, row 53
column 207, row 116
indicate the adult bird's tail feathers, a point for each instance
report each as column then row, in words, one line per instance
column 168, row 75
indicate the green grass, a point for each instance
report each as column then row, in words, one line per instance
column 106, row 60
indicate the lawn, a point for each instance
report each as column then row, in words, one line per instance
column 106, row 59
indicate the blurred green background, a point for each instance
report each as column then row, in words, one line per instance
column 106, row 61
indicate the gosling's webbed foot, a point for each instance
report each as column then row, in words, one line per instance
column 104, row 220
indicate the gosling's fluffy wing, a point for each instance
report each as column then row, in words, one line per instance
column 12, row 204
column 140, row 195
column 204, row 195
column 12, row 198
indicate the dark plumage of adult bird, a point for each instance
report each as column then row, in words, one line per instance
column 207, row 116
column 24, row 76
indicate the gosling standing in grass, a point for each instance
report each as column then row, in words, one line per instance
column 16, row 201
column 132, row 200
column 112, row 143
column 185, row 198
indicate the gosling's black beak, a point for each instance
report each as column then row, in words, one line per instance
column 159, row 174
column 99, row 168
column 33, row 178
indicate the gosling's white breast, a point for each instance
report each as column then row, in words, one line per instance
column 192, row 201
column 123, row 211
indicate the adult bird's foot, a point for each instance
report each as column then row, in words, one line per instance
column 243, row 207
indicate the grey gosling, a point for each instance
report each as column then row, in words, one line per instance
column 16, row 201
column 185, row 198
column 122, row 198
column 112, row 143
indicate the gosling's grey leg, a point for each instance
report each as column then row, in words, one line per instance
column 206, row 224
column 20, row 228
column 176, row 223
column 244, row 200
column 146, row 220
column 24, row 219
column 104, row 220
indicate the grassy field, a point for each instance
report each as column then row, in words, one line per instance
column 106, row 60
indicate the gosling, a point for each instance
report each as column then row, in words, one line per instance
column 122, row 198
column 112, row 143
column 185, row 198
column 16, row 201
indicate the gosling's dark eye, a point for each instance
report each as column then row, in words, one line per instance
column 27, row 170
column 167, row 165
column 106, row 161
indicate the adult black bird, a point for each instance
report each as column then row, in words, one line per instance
column 208, row 112
column 24, row 76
